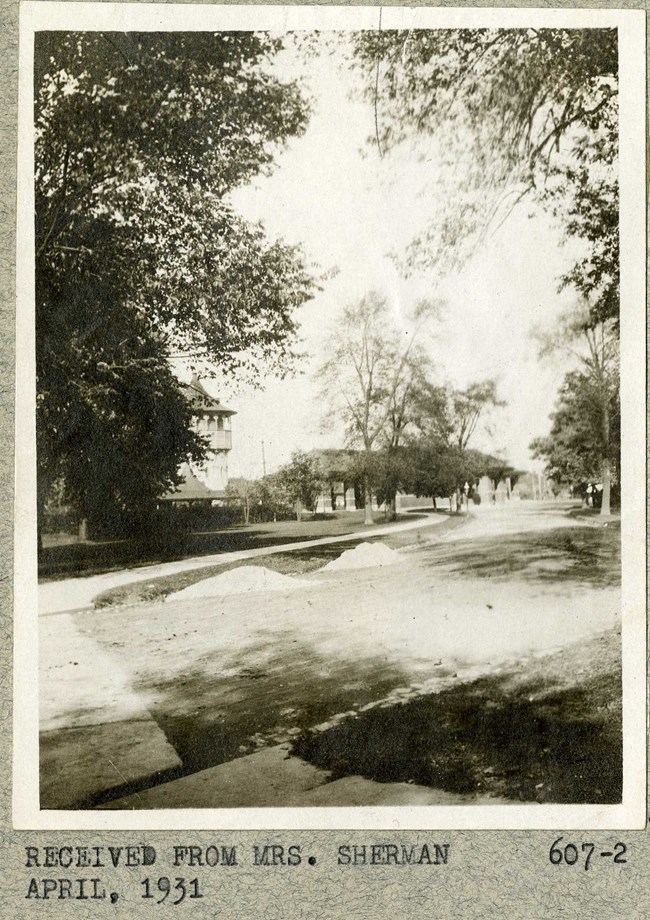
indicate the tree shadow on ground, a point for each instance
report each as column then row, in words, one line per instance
column 535, row 744
column 260, row 697
column 584, row 554
column 237, row 704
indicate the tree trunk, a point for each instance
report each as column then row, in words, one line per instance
column 299, row 511
column 607, row 486
column 247, row 511
column 605, row 464
column 433, row 499
column 367, row 502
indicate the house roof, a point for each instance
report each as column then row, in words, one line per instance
column 200, row 400
column 191, row 489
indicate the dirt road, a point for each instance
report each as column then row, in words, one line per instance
column 222, row 677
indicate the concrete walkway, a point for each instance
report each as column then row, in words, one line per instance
column 78, row 593
column 273, row 778
column 98, row 715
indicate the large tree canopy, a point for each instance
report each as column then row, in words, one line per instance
column 139, row 255
column 508, row 113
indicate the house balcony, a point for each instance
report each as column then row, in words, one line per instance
column 220, row 440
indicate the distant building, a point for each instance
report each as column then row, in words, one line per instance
column 212, row 420
column 342, row 490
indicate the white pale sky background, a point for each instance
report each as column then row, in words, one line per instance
column 349, row 208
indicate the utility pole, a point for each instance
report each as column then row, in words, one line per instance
column 263, row 460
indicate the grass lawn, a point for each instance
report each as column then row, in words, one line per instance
column 594, row 515
column 296, row 562
column 63, row 561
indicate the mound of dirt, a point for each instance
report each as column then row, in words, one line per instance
column 245, row 579
column 364, row 556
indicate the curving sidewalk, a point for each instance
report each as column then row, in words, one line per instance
column 72, row 594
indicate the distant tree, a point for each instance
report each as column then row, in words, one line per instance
column 435, row 468
column 366, row 380
column 585, row 431
column 339, row 466
column 496, row 468
column 446, row 419
column 379, row 472
column 242, row 490
column 389, row 474
column 139, row 138
column 454, row 414
column 261, row 499
column 391, row 470
column 301, row 481
column 468, row 406
column 573, row 450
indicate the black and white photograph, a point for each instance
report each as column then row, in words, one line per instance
column 332, row 403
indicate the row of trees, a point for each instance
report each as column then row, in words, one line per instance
column 422, row 467
column 405, row 430
column 412, row 431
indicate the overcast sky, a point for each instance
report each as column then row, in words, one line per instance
column 349, row 209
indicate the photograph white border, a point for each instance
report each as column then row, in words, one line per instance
column 631, row 813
